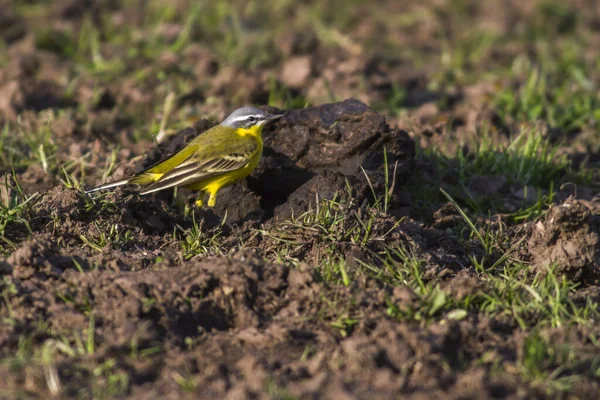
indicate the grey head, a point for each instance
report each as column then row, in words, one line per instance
column 247, row 117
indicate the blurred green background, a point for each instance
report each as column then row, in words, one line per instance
column 127, row 70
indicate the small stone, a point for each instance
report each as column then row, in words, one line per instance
column 527, row 193
column 489, row 184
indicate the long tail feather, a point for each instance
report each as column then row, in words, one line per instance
column 109, row 185
column 178, row 176
column 153, row 189
column 160, row 185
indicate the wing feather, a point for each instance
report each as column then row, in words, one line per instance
column 199, row 166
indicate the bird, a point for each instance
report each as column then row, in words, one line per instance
column 218, row 157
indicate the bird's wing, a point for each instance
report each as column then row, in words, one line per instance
column 154, row 172
column 223, row 153
column 170, row 162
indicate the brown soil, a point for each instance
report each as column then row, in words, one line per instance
column 568, row 239
column 259, row 320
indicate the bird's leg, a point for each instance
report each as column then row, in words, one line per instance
column 212, row 198
column 200, row 200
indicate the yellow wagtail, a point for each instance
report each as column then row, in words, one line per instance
column 216, row 158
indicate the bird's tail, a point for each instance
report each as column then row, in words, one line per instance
column 109, row 185
column 141, row 178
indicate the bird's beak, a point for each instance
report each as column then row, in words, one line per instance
column 274, row 116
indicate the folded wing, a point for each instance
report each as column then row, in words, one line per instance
column 199, row 167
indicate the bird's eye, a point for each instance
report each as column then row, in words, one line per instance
column 251, row 119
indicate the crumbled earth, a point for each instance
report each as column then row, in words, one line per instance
column 568, row 239
column 338, row 269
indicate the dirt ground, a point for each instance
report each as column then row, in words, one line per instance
column 424, row 223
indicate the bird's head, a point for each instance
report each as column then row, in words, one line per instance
column 248, row 118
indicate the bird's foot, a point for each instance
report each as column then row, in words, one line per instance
column 212, row 200
column 199, row 203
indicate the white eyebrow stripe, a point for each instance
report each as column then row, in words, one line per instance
column 245, row 117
